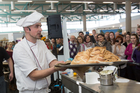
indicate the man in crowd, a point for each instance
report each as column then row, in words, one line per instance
column 107, row 36
column 33, row 62
column 81, row 34
column 138, row 31
column 116, row 34
column 4, row 56
column 92, row 37
column 72, row 46
column 95, row 37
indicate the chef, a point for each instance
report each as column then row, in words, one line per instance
column 33, row 62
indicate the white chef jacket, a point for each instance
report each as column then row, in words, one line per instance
column 25, row 62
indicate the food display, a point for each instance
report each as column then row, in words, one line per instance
column 106, row 72
column 94, row 55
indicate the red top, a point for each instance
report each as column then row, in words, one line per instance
column 49, row 48
column 10, row 54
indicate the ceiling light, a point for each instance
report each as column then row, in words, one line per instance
column 51, row 1
column 109, row 2
column 103, row 10
column 125, row 2
column 24, row 1
column 87, row 10
column 24, row 10
column 4, row 10
column 51, row 10
column 120, row 25
column 82, row 2
column 70, row 10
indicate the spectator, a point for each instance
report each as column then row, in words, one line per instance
column 4, row 56
column 112, row 38
column 127, row 40
column 80, row 43
column 138, row 32
column 136, row 59
column 88, row 43
column 119, row 49
column 92, row 37
column 107, row 36
column 59, row 46
column 48, row 44
column 12, row 85
column 72, row 46
column 116, row 34
column 134, row 43
column 95, row 37
column 130, row 68
column 103, row 43
column 81, row 34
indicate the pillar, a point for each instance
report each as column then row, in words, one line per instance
column 128, row 15
column 84, row 23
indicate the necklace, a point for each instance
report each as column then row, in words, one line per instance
column 133, row 46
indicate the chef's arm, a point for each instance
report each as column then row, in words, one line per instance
column 39, row 74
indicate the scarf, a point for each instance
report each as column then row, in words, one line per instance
column 88, row 44
column 101, row 44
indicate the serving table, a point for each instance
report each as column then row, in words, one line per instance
column 121, row 85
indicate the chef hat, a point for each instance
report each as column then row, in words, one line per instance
column 31, row 19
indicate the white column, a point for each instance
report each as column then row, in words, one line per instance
column 84, row 23
column 128, row 15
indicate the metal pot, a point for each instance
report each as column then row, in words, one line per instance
column 107, row 79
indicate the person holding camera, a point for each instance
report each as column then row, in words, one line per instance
column 119, row 50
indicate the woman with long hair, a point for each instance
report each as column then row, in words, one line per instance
column 80, row 44
column 112, row 38
column 12, row 85
column 134, row 43
column 88, row 43
column 103, row 43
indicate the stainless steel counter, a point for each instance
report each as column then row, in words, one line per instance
column 76, row 86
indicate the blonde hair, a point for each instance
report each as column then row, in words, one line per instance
column 9, row 43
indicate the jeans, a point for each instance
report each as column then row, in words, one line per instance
column 2, row 85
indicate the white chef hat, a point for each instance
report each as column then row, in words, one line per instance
column 31, row 19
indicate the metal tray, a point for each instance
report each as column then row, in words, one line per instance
column 116, row 63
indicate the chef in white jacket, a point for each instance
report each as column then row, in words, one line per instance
column 33, row 62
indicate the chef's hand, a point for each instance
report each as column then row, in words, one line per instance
column 11, row 76
column 59, row 68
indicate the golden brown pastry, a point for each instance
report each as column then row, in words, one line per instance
column 95, row 55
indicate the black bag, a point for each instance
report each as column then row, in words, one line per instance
column 55, row 86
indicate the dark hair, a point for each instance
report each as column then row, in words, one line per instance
column 101, row 35
column 127, row 34
column 86, row 37
column 81, row 32
column 81, row 38
column 119, row 36
column 113, row 38
column 136, row 38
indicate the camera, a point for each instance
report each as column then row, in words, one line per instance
column 117, row 41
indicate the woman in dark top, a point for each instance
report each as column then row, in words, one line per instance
column 12, row 85
column 103, row 43
column 136, row 59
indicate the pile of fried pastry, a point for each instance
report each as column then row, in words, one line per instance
column 94, row 55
